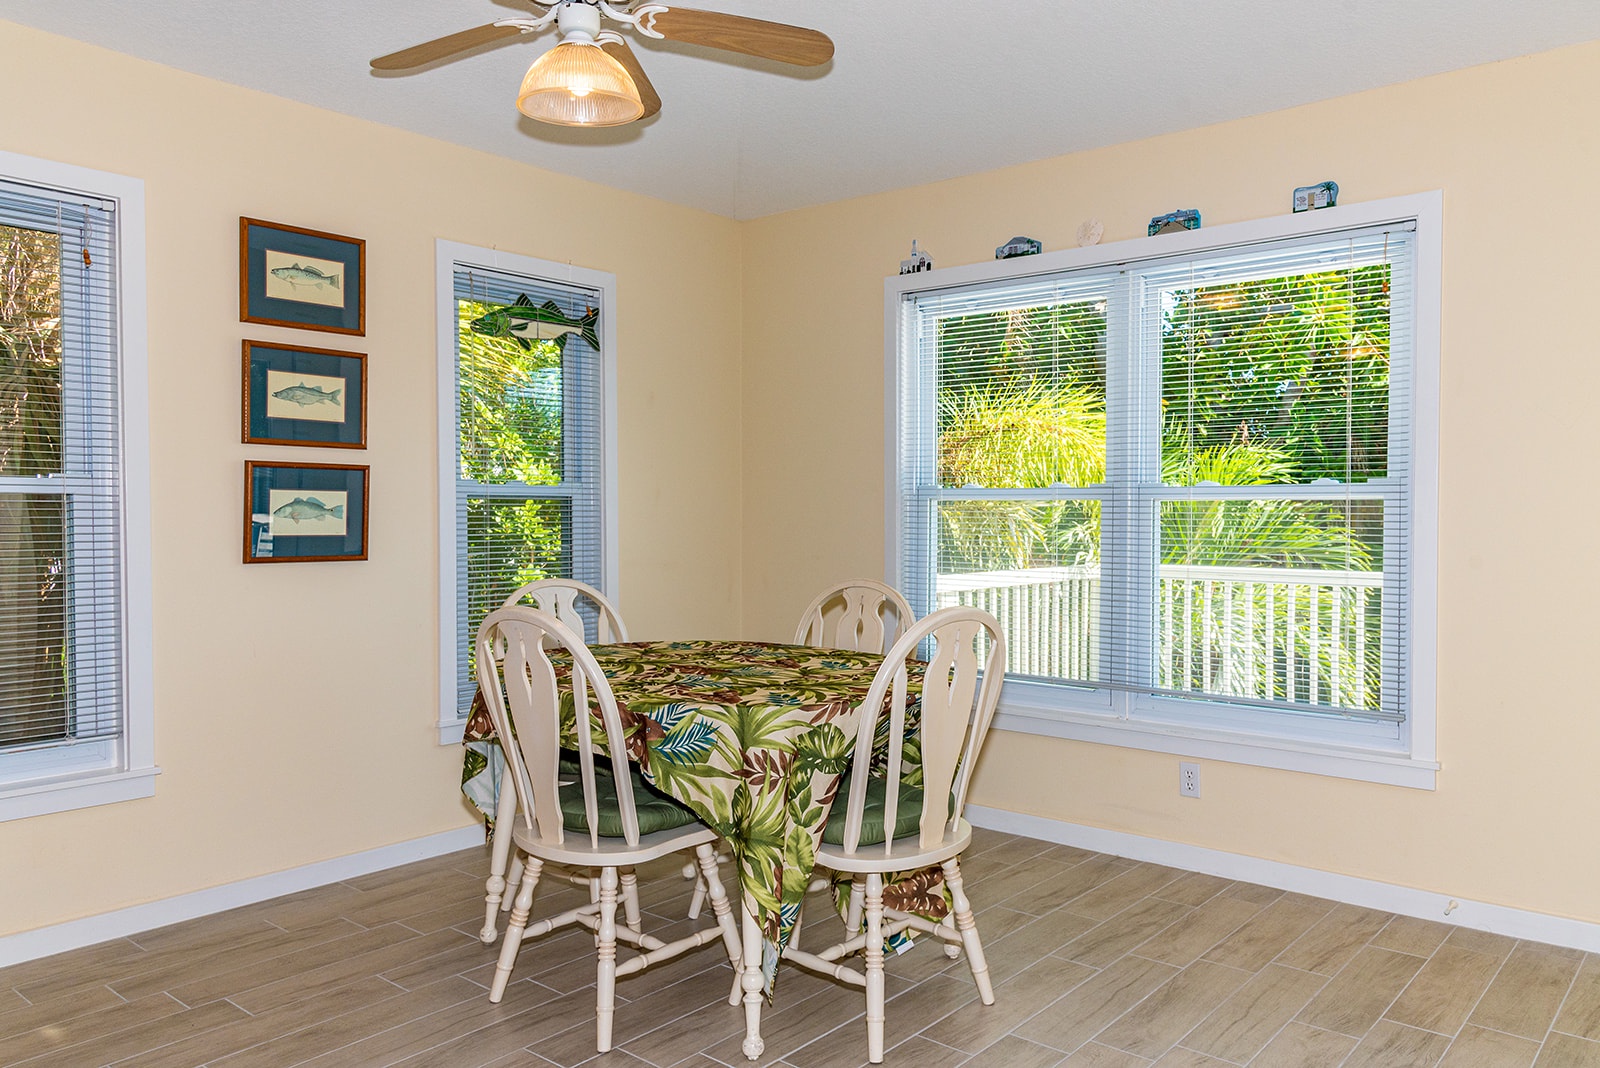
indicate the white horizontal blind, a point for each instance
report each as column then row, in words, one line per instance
column 528, row 444
column 61, row 612
column 1184, row 480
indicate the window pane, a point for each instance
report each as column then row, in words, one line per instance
column 30, row 352
column 1035, row 566
column 511, row 403
column 1272, row 599
column 1280, row 379
column 33, row 619
column 1021, row 396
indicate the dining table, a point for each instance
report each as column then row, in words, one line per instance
column 753, row 737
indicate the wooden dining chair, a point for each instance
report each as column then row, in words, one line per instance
column 879, row 825
column 576, row 604
column 601, row 823
column 863, row 615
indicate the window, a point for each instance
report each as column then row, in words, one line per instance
column 75, row 679
column 526, row 484
column 1195, row 486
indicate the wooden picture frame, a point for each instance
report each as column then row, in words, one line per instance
column 295, row 512
column 292, row 276
column 297, row 395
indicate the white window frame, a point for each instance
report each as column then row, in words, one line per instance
column 1099, row 717
column 50, row 779
column 449, row 256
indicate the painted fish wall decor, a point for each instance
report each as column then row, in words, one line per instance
column 297, row 275
column 524, row 322
column 304, row 395
column 307, row 509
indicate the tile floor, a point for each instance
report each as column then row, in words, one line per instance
column 1098, row 961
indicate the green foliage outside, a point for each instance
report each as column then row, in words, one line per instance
column 510, row 432
column 1268, row 382
column 33, row 556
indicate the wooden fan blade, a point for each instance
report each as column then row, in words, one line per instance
column 417, row 55
column 620, row 52
column 753, row 37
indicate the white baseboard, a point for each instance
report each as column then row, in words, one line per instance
column 44, row 941
column 1370, row 893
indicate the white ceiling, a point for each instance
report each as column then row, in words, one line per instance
column 919, row 90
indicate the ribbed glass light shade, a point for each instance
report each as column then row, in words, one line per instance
column 579, row 85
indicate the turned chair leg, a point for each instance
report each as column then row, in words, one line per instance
column 606, row 947
column 706, row 855
column 630, row 898
column 874, row 969
column 969, row 931
column 519, row 923
column 852, row 917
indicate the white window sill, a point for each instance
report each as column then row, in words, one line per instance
column 1391, row 768
column 62, row 794
column 452, row 731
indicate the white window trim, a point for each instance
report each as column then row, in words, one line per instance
column 448, row 256
column 104, row 773
column 1032, row 709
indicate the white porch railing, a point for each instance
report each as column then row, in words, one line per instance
column 1295, row 634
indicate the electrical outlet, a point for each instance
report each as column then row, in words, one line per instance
column 1189, row 779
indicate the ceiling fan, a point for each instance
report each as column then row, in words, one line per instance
column 591, row 77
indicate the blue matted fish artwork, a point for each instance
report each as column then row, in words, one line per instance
column 292, row 276
column 304, row 512
column 295, row 395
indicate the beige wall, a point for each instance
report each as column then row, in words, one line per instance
column 254, row 784
column 1518, row 732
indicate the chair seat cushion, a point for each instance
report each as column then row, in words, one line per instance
column 908, row 814
column 657, row 811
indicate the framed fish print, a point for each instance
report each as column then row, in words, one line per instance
column 294, row 395
column 291, row 276
column 301, row 512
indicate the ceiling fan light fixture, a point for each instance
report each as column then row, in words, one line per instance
column 577, row 84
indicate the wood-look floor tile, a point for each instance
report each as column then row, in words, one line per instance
column 165, row 969
column 69, row 968
column 119, row 1045
column 242, row 1034
column 1027, row 945
column 1567, row 1051
column 1114, row 937
column 1178, row 1057
column 535, row 1019
column 350, row 1027
column 314, row 981
column 976, row 1026
column 706, row 991
column 1254, row 893
column 1191, row 936
column 1080, row 1014
column 291, row 967
column 1193, row 888
column 1302, row 1046
column 1528, row 990
column 1445, row 990
column 1490, row 945
column 785, row 1026
column 27, row 1016
column 1089, row 873
column 1333, row 941
column 1156, row 1024
column 1478, row 1047
column 922, row 1053
column 1358, row 995
column 1389, row 1044
column 72, row 1031
column 904, row 1016
column 1268, row 933
column 1115, row 894
column 1070, row 854
column 1242, row 1026
column 1015, row 1052
column 1034, row 886
column 1094, row 1055
column 1580, row 1014
column 1407, row 934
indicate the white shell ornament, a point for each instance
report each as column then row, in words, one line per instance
column 1090, row 231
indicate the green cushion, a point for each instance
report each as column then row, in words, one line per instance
column 908, row 816
column 657, row 811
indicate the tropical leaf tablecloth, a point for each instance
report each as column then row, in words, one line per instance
column 753, row 737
